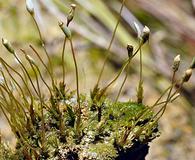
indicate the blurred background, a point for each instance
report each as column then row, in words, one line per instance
column 172, row 24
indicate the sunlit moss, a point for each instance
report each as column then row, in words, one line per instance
column 58, row 123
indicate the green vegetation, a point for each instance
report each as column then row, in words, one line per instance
column 52, row 122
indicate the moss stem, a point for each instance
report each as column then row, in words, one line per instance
column 110, row 44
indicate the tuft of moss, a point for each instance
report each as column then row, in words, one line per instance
column 57, row 123
column 99, row 139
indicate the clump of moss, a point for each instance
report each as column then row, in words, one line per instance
column 66, row 125
column 6, row 152
column 100, row 137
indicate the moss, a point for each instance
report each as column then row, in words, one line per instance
column 5, row 152
column 98, row 139
column 61, row 124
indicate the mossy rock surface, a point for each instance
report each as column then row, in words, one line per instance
column 108, row 131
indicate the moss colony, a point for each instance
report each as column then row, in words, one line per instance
column 107, row 131
column 65, row 125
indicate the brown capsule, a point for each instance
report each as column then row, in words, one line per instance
column 187, row 75
column 71, row 14
column 145, row 34
column 7, row 45
column 65, row 29
column 30, row 6
column 176, row 63
column 130, row 50
column 73, row 6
